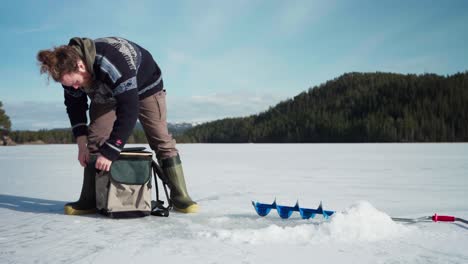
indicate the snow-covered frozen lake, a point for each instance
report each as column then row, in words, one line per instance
column 364, row 183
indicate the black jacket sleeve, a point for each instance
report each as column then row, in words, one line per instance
column 126, row 94
column 117, row 64
column 127, row 115
column 76, row 102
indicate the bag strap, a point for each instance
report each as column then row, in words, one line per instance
column 157, row 207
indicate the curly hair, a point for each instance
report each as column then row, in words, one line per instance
column 58, row 61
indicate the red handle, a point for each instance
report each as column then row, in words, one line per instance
column 443, row 218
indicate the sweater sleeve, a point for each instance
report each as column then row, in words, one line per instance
column 76, row 102
column 117, row 63
column 126, row 94
column 127, row 115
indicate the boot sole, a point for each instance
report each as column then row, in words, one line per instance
column 72, row 211
column 194, row 208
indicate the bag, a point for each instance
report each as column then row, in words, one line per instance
column 125, row 190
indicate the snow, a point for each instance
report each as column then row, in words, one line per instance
column 366, row 184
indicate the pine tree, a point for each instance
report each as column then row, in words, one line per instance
column 5, row 122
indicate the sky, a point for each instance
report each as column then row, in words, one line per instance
column 230, row 58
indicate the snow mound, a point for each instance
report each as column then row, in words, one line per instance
column 359, row 222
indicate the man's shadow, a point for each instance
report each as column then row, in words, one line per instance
column 31, row 205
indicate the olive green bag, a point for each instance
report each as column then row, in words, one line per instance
column 125, row 191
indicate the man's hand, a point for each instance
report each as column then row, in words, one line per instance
column 83, row 156
column 83, row 152
column 102, row 163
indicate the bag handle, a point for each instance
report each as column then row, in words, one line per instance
column 157, row 207
column 134, row 149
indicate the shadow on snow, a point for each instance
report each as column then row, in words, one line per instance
column 31, row 205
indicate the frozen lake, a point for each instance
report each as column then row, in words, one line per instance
column 364, row 183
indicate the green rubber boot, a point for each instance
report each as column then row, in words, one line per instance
column 87, row 202
column 180, row 198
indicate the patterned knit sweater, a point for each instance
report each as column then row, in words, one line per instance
column 123, row 73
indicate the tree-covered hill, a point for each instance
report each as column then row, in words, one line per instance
column 356, row 107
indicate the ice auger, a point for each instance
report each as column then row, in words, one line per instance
column 286, row 211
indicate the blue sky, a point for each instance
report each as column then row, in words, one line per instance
column 230, row 58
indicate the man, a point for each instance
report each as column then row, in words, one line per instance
column 124, row 84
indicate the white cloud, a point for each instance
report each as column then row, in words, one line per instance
column 36, row 115
column 202, row 108
column 417, row 65
column 198, row 108
column 244, row 68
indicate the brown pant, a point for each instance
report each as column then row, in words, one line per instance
column 152, row 116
